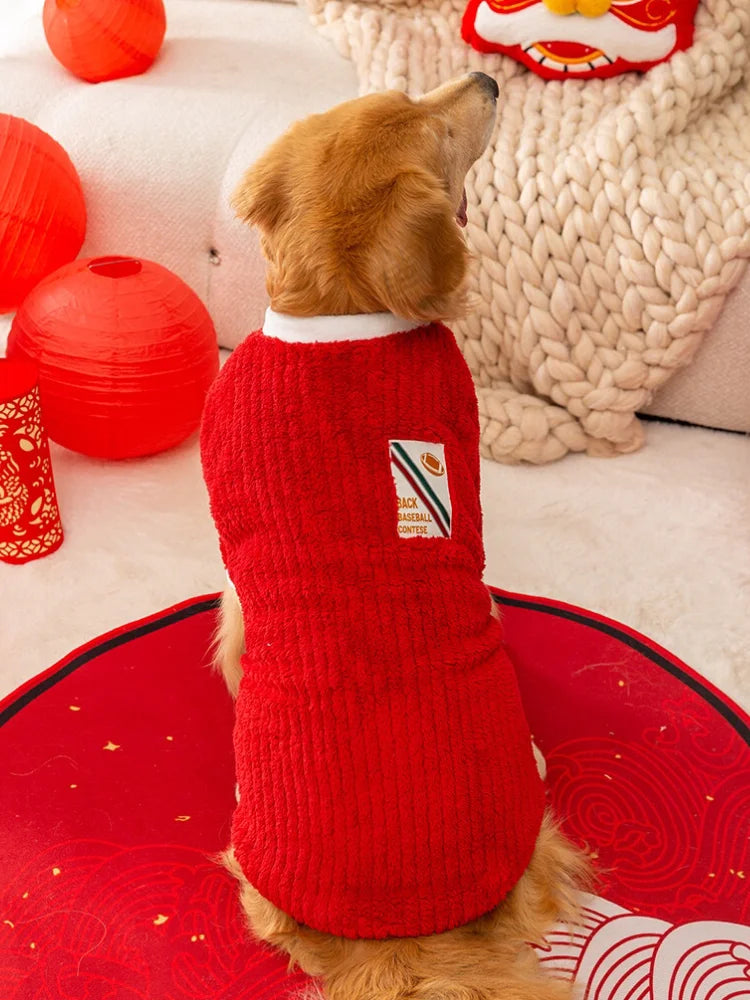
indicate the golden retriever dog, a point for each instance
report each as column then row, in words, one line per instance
column 359, row 211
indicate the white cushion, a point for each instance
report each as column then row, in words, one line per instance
column 159, row 154
column 713, row 390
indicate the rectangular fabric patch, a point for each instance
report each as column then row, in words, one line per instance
column 421, row 479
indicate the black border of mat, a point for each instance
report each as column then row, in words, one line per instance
column 28, row 693
column 65, row 668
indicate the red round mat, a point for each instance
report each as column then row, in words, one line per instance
column 117, row 787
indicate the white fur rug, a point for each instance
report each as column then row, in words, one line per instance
column 659, row 540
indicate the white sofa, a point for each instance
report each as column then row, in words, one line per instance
column 159, row 154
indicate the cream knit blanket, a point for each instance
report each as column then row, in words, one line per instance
column 610, row 218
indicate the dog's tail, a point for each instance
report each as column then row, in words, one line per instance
column 491, row 958
column 468, row 967
column 229, row 641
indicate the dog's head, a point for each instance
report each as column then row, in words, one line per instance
column 358, row 208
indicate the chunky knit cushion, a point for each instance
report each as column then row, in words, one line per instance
column 609, row 218
column 387, row 781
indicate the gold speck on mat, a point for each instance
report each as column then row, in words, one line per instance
column 111, row 746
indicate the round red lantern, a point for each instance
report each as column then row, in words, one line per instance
column 105, row 39
column 126, row 353
column 42, row 211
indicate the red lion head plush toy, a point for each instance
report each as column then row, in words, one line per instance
column 560, row 39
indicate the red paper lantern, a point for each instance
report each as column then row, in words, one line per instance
column 126, row 352
column 29, row 519
column 42, row 211
column 105, row 39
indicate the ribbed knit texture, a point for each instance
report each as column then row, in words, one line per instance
column 387, row 781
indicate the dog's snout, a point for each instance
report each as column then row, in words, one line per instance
column 488, row 83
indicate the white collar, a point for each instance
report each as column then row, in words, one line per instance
column 328, row 329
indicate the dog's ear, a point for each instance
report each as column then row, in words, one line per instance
column 418, row 263
column 260, row 198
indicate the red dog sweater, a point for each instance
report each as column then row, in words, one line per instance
column 386, row 775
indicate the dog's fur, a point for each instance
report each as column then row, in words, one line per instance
column 357, row 211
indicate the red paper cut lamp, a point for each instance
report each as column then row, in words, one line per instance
column 29, row 519
column 126, row 353
column 105, row 39
column 42, row 211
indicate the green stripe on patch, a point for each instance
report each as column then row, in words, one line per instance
column 420, row 477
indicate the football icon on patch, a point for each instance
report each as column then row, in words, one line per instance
column 420, row 476
column 433, row 464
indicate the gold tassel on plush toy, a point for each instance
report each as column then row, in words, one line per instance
column 588, row 8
